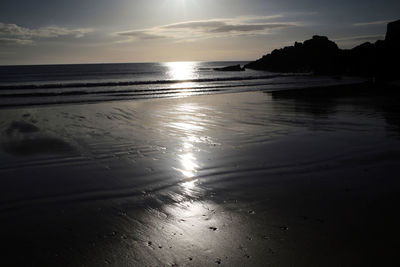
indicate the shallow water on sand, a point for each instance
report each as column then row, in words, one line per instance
column 235, row 179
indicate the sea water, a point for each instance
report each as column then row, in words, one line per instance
column 80, row 83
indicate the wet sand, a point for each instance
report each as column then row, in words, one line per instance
column 296, row 178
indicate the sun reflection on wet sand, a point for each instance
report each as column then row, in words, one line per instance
column 189, row 187
column 189, row 130
column 190, row 218
column 187, row 126
column 189, row 165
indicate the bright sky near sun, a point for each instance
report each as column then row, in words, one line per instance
column 82, row 31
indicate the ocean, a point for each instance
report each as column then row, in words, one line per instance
column 56, row 84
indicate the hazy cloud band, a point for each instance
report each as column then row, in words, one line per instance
column 13, row 33
column 202, row 29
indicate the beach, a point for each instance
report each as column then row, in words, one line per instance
column 289, row 178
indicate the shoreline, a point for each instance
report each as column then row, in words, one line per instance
column 358, row 85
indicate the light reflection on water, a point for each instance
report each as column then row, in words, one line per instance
column 183, row 85
column 182, row 70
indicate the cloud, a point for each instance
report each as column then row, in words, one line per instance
column 362, row 38
column 141, row 34
column 213, row 28
column 261, row 19
column 249, row 27
column 53, row 32
column 6, row 41
column 193, row 25
column 380, row 22
column 13, row 33
column 350, row 42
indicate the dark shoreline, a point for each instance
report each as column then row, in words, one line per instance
column 367, row 88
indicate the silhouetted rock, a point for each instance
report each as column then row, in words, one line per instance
column 389, row 52
column 393, row 32
column 231, row 68
column 360, row 61
column 319, row 55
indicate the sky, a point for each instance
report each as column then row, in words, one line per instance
column 105, row 31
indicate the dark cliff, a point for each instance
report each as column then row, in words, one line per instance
column 319, row 55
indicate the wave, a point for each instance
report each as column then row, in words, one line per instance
column 83, row 92
column 130, row 83
column 138, row 91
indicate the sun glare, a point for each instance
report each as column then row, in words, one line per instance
column 181, row 70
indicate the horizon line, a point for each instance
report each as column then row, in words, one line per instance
column 138, row 62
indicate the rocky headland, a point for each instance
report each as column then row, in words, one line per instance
column 321, row 56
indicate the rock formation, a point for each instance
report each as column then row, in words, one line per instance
column 319, row 55
column 230, row 68
column 393, row 32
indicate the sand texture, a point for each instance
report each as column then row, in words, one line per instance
column 245, row 179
